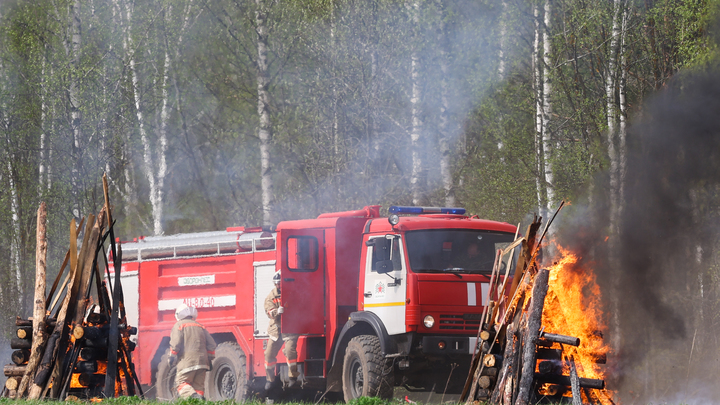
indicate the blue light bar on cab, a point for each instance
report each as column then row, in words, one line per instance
column 396, row 209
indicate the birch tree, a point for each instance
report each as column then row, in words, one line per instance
column 416, row 121
column 444, row 137
column 547, row 140
column 611, row 77
column 73, row 49
column 537, row 63
column 263, row 109
column 154, row 161
column 15, row 256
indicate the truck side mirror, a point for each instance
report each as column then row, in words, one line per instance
column 384, row 266
column 382, row 248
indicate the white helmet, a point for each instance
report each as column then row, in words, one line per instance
column 276, row 278
column 184, row 311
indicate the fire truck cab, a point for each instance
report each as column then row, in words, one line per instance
column 376, row 302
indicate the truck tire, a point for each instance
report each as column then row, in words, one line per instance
column 165, row 380
column 366, row 373
column 228, row 380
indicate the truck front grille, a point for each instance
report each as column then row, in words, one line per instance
column 466, row 322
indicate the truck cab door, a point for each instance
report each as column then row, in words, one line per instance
column 302, row 286
column 386, row 281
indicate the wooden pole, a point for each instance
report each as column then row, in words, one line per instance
column 61, row 339
column 39, row 334
column 574, row 382
column 537, row 303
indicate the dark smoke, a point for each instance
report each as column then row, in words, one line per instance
column 659, row 276
column 668, row 236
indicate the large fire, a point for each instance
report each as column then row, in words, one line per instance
column 573, row 307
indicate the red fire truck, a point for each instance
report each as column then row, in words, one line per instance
column 377, row 302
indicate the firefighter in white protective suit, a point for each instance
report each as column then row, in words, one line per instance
column 192, row 349
column 274, row 310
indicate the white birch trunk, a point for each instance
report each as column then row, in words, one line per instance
column 416, row 185
column 265, row 125
column 610, row 87
column 155, row 178
column 502, row 40
column 547, row 110
column 444, row 124
column 74, row 98
column 15, row 227
column 42, row 175
column 335, row 134
column 159, row 198
column 375, row 126
column 622, row 130
column 15, row 240
column 537, row 80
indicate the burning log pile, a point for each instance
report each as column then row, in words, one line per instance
column 77, row 341
column 517, row 360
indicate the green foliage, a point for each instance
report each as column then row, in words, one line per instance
column 370, row 401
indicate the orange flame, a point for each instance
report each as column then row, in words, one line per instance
column 573, row 307
column 75, row 381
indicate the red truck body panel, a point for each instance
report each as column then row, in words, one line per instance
column 226, row 275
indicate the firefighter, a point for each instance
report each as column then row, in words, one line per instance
column 471, row 259
column 192, row 349
column 274, row 310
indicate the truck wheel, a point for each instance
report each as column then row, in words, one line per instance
column 165, row 380
column 365, row 372
column 228, row 380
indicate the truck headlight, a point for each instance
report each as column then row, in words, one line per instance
column 428, row 321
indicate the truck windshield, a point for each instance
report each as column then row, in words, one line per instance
column 455, row 250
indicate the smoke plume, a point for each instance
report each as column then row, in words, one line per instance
column 658, row 275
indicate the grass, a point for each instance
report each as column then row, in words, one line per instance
column 139, row 401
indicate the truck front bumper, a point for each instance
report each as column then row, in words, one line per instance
column 448, row 344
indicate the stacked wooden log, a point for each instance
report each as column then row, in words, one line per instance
column 77, row 341
column 516, row 362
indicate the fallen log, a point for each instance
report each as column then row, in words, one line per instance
column 20, row 357
column 564, row 339
column 485, row 382
column 549, row 354
column 489, row 371
column 17, row 343
column 557, row 354
column 554, row 389
column 89, row 379
column 24, row 332
column 86, row 367
column 11, row 370
column 88, row 353
column 548, row 366
column 492, row 360
column 89, row 332
column 12, row 383
column 97, row 343
column 482, row 394
column 565, row 380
